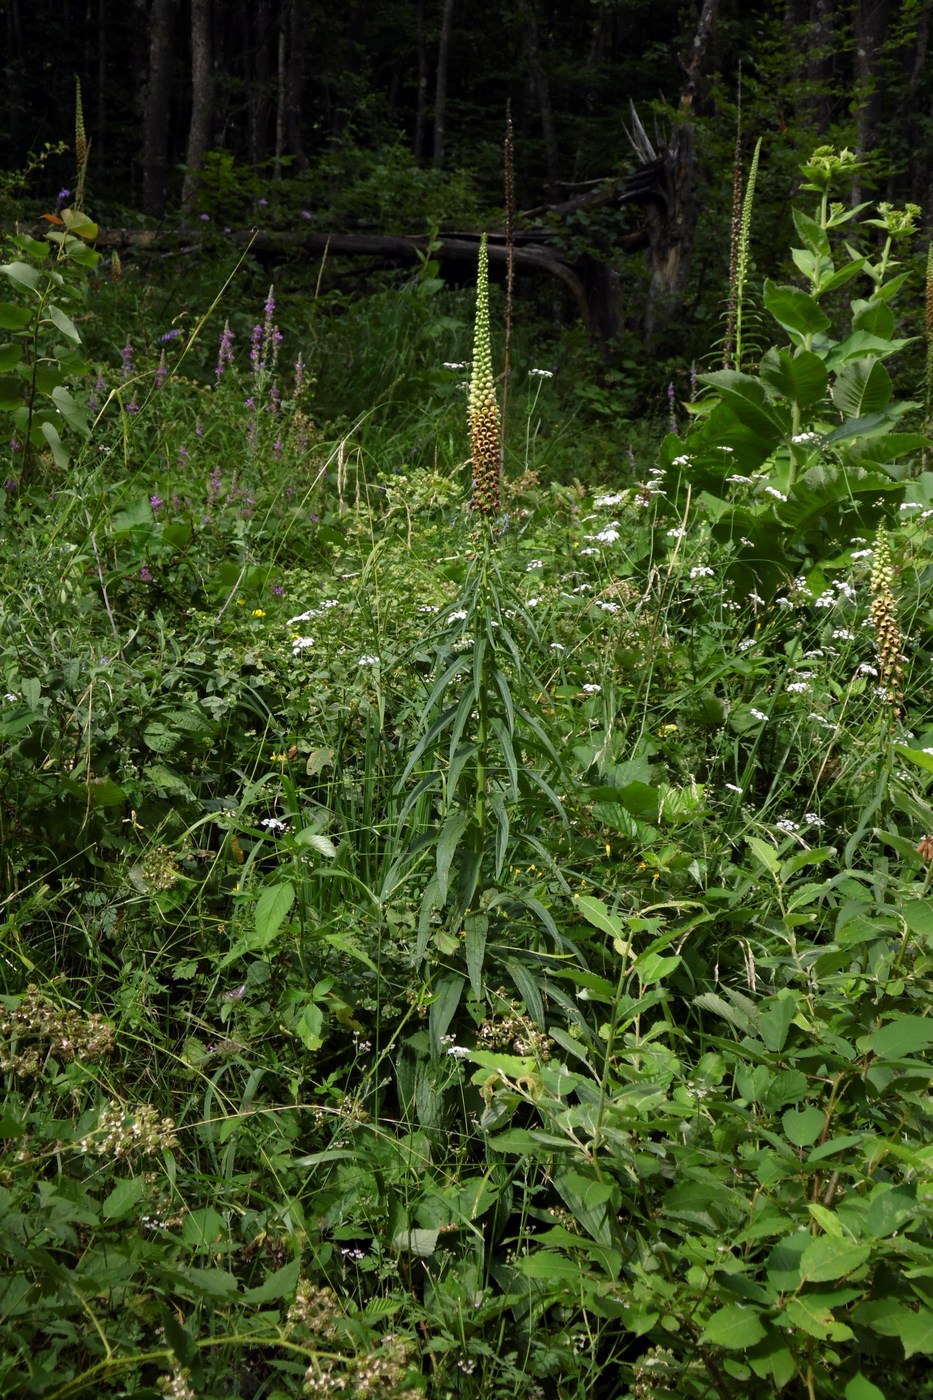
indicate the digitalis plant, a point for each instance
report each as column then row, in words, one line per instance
column 485, row 440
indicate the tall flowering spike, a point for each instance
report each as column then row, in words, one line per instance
column 484, row 409
column 884, row 623
column 82, row 146
column 929, row 345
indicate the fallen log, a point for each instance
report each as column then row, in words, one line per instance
column 592, row 283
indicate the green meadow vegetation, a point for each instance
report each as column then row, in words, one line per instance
column 465, row 931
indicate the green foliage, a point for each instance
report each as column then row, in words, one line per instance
column 812, row 444
column 459, row 958
column 41, row 360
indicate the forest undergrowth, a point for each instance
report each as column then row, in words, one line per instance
column 465, row 933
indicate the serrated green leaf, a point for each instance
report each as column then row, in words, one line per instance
column 737, row 1326
column 271, row 908
column 278, row 1283
column 904, row 1035
column 121, row 1200
column 917, row 1332
column 815, row 1319
column 827, row 1259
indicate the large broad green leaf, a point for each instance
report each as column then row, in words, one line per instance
column 800, row 378
column 862, row 387
column 904, row 1035
column 795, row 310
column 811, row 1314
column 861, row 343
column 874, row 316
column 736, row 1327
column 828, row 1258
column 12, row 317
column 747, row 398
column 917, row 1332
column 802, row 1126
column 889, row 1208
column 22, row 274
column 10, row 356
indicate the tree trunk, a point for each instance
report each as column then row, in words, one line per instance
column 871, row 32
column 294, row 83
column 671, row 228
column 156, row 107
column 440, row 89
column 421, row 107
column 202, row 103
column 539, row 79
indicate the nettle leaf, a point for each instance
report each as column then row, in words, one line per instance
column 862, row 387
column 121, row 1200
column 271, row 908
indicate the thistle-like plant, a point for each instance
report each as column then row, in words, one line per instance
column 485, row 434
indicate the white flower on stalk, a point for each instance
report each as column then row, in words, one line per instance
column 542, row 373
column 592, row 689
column 300, row 644
column 611, row 500
column 368, row 661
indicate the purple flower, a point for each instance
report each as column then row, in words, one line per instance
column 671, row 405
column 171, row 335
column 277, row 449
column 161, row 373
column 264, row 201
column 225, row 352
column 157, row 503
column 182, row 454
column 132, row 406
column 198, row 428
column 205, row 218
column 214, row 485
column 145, row 575
column 278, row 590
column 299, row 377
column 306, row 214
column 9, row 484
column 126, row 355
column 255, row 351
column 62, row 196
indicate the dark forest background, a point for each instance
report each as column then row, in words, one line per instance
column 388, row 119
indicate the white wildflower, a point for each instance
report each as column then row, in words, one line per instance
column 592, row 689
